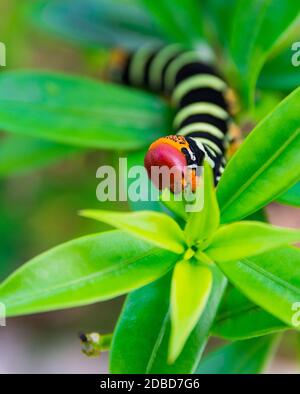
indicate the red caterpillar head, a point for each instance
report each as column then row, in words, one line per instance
column 170, row 152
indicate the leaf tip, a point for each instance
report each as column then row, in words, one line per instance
column 86, row 213
column 174, row 349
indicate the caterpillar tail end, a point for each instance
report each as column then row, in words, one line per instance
column 167, row 165
column 115, row 65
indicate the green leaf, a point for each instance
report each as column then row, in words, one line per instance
column 91, row 24
column 266, row 164
column 248, row 238
column 265, row 104
column 146, row 311
column 287, row 39
column 78, row 111
column 291, row 197
column 155, row 227
column 83, row 271
column 202, row 224
column 257, row 26
column 19, row 155
column 176, row 206
column 220, row 14
column 181, row 22
column 270, row 280
column 190, row 289
column 239, row 318
column 280, row 74
column 242, row 357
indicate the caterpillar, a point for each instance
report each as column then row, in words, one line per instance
column 203, row 103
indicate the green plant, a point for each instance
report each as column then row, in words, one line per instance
column 176, row 270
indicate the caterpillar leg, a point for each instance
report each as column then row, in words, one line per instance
column 234, row 140
column 117, row 63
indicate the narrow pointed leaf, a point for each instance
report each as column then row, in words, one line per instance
column 154, row 227
column 220, row 16
column 286, row 39
column 78, row 111
column 146, row 311
column 238, row 318
column 83, row 271
column 291, row 197
column 270, row 280
column 241, row 357
column 19, row 155
column 257, row 26
column 202, row 224
column 190, row 289
column 242, row 239
column 265, row 166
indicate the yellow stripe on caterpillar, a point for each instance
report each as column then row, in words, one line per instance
column 200, row 108
column 201, row 126
column 161, row 59
column 136, row 72
column 196, row 82
column 182, row 60
column 209, row 143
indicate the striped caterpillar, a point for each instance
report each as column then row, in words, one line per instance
column 202, row 101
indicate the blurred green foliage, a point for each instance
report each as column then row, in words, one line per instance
column 38, row 209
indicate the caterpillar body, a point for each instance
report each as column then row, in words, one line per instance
column 200, row 96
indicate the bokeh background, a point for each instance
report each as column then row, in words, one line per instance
column 38, row 210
